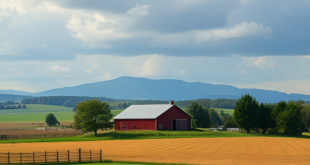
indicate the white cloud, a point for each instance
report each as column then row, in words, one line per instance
column 59, row 68
column 183, row 72
column 88, row 71
column 244, row 2
column 262, row 62
column 140, row 10
column 240, row 30
column 288, row 86
column 151, row 66
column 242, row 71
column 103, row 78
column 89, row 30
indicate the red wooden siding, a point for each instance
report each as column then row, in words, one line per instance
column 146, row 124
column 166, row 118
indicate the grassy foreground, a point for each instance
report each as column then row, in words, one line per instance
column 136, row 135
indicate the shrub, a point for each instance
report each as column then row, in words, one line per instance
column 50, row 119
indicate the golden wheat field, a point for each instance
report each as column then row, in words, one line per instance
column 249, row 150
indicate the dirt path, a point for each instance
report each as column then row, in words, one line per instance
column 249, row 150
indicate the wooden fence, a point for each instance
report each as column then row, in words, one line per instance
column 51, row 157
column 35, row 136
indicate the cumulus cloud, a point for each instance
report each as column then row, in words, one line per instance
column 242, row 71
column 140, row 10
column 262, row 62
column 151, row 66
column 89, row 30
column 59, row 68
column 243, row 29
column 88, row 71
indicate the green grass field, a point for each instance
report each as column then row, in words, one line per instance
column 137, row 135
column 37, row 113
column 229, row 111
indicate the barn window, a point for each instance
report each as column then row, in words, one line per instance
column 124, row 127
column 160, row 126
column 133, row 126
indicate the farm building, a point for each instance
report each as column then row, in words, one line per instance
column 153, row 117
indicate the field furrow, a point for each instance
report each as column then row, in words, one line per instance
column 238, row 150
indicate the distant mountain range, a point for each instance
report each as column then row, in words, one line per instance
column 166, row 89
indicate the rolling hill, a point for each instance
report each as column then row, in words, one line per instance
column 165, row 89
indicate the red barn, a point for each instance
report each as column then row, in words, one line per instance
column 153, row 117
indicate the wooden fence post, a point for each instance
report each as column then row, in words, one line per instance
column 45, row 158
column 34, row 162
column 68, row 156
column 5, row 137
column 8, row 157
column 26, row 136
column 57, row 157
column 90, row 156
column 15, row 137
column 21, row 158
column 100, row 155
column 80, row 156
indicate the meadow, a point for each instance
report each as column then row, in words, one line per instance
column 229, row 111
column 38, row 112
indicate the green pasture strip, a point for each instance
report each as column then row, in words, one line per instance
column 46, row 107
column 137, row 135
column 116, row 112
column 38, row 112
column 35, row 117
column 229, row 111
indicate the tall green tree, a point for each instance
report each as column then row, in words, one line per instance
column 200, row 114
column 92, row 115
column 305, row 115
column 246, row 111
column 265, row 119
column 51, row 119
column 216, row 120
column 289, row 121
column 230, row 123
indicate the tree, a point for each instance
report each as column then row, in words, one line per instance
column 92, row 115
column 230, row 123
column 24, row 106
column 216, row 120
column 19, row 106
column 289, row 120
column 50, row 119
column 200, row 114
column 305, row 113
column 245, row 112
column 265, row 119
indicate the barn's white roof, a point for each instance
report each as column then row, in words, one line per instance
column 143, row 111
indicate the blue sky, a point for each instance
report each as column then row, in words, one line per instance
column 244, row 43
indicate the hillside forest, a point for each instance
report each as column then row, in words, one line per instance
column 71, row 101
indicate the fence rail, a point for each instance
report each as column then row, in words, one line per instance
column 35, row 136
column 51, row 157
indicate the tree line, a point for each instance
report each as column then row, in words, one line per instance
column 291, row 117
column 11, row 105
column 217, row 103
column 67, row 101
column 204, row 117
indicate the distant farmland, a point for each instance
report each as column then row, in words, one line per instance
column 37, row 113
